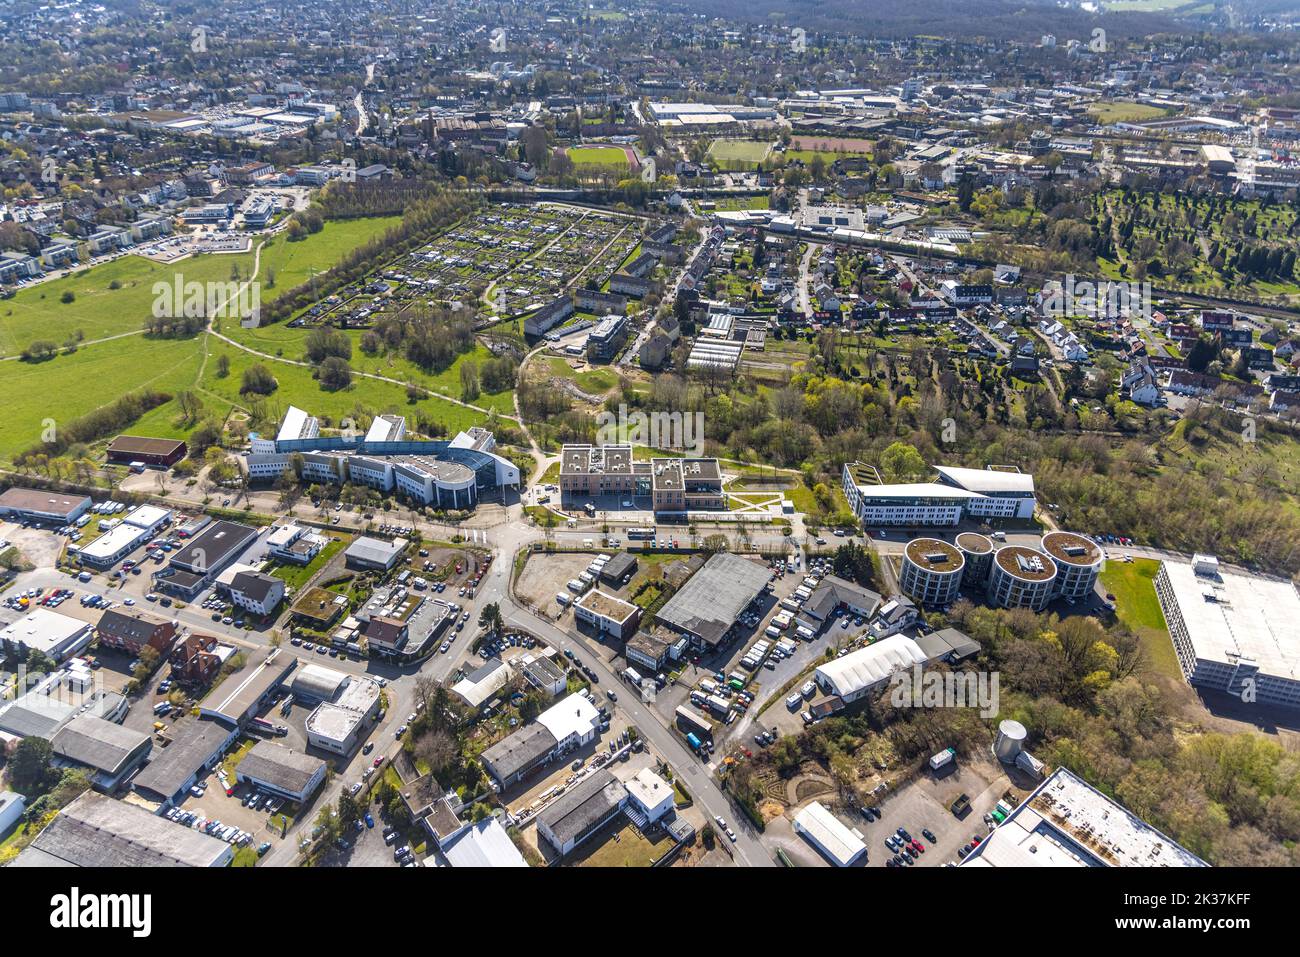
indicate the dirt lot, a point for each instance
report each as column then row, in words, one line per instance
column 545, row 575
column 39, row 546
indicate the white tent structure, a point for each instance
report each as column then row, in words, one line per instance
column 856, row 673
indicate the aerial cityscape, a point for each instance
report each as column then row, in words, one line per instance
column 649, row 434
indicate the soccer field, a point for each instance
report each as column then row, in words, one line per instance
column 598, row 156
column 739, row 151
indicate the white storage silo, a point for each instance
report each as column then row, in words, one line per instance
column 1010, row 740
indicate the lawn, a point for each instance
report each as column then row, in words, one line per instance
column 620, row 845
column 739, row 151
column 295, row 576
column 592, row 381
column 36, row 395
column 282, row 341
column 598, row 156
column 293, row 262
column 297, row 387
column 97, row 310
column 723, row 204
column 1124, row 111
column 1136, row 605
column 69, row 386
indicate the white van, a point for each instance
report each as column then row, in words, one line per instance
column 563, row 599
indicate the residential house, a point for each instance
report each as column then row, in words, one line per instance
column 132, row 631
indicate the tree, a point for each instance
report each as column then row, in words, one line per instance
column 469, row 383
column 901, row 462
column 853, row 562
column 335, row 374
column 257, row 380
column 323, row 343
column 223, row 366
column 30, row 769
column 490, row 618
column 436, row 749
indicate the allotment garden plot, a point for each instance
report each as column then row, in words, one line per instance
column 512, row 258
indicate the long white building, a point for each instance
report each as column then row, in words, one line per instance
column 955, row 493
column 1233, row 632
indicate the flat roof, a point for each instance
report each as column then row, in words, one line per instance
column 1027, row 564
column 916, row 490
column 43, row 630
column 1232, row 615
column 596, row 460
column 98, row 831
column 1066, row 822
column 169, row 769
column 975, row 543
column 113, row 541
column 41, row 501
column 607, row 606
column 143, row 445
column 375, row 549
column 238, row 694
column 213, row 546
column 618, row 566
column 934, row 555
column 1071, row 549
column 715, row 596
column 145, row 516
column 648, row 788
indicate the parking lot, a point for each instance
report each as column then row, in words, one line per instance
column 924, row 802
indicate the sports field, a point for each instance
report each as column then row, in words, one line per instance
column 739, row 151
column 599, row 156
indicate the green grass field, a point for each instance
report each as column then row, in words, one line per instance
column 293, row 263
column 598, row 156
column 739, row 151
column 1136, row 606
column 1126, row 112
column 99, row 311
column 69, row 386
